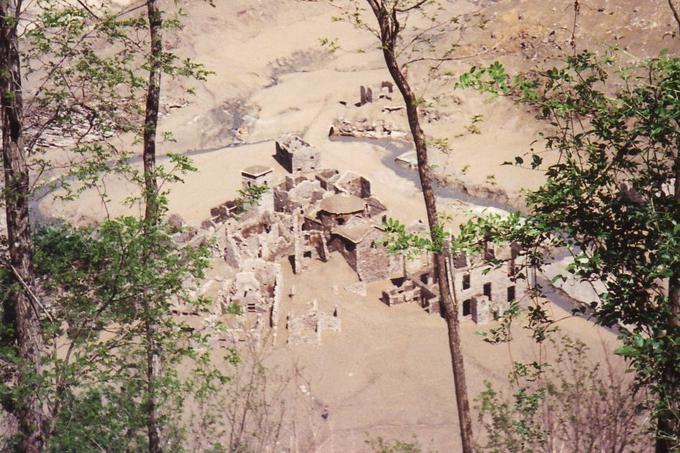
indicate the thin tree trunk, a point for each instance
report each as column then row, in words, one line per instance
column 151, row 214
column 674, row 10
column 21, row 312
column 152, row 106
column 389, row 29
column 153, row 361
column 668, row 426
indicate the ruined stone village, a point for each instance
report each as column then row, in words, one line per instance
column 311, row 214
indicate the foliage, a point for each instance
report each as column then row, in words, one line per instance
column 251, row 195
column 570, row 405
column 401, row 241
column 94, row 373
column 100, row 287
column 87, row 68
column 329, row 43
column 381, row 445
column 610, row 199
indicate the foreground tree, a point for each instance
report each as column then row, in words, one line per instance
column 151, row 212
column 612, row 199
column 21, row 311
column 107, row 293
column 391, row 16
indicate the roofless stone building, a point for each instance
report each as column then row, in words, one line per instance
column 296, row 155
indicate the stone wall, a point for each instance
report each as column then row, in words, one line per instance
column 297, row 156
column 284, row 157
column 353, row 184
column 405, row 293
column 276, row 303
column 300, row 196
column 306, row 328
column 346, row 248
column 306, row 159
column 474, row 279
column 481, row 310
column 330, row 221
column 373, row 260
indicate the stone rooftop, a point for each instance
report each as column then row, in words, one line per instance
column 342, row 204
column 256, row 170
column 356, row 231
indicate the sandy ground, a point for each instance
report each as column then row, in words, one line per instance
column 388, row 372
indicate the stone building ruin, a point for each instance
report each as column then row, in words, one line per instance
column 296, row 155
column 385, row 88
column 485, row 294
column 312, row 213
column 306, row 328
column 361, row 244
column 257, row 175
column 260, row 176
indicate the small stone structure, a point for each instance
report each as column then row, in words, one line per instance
column 337, row 210
column 365, row 95
column 257, row 175
column 364, row 129
column 353, row 184
column 412, row 289
column 360, row 243
column 296, row 155
column 307, row 327
column 260, row 176
column 404, row 292
column 366, row 92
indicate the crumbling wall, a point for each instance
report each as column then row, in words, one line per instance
column 231, row 252
column 327, row 178
column 373, row 261
column 300, row 196
column 330, row 321
column 375, row 207
column 353, row 184
column 306, row 328
column 276, row 303
column 330, row 221
column 474, row 279
column 346, row 248
column 296, row 155
column 405, row 292
column 481, row 310
column 284, row 156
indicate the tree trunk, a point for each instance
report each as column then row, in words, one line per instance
column 152, row 106
column 674, row 10
column 389, row 29
column 151, row 215
column 153, row 362
column 668, row 427
column 21, row 312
